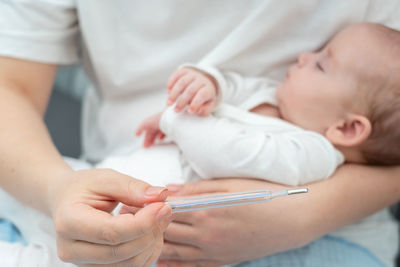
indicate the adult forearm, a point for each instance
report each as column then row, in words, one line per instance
column 28, row 159
column 353, row 193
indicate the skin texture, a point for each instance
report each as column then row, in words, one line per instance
column 78, row 201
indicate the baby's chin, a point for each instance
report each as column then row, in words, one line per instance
column 278, row 91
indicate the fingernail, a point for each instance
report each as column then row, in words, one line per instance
column 155, row 191
column 174, row 187
column 164, row 213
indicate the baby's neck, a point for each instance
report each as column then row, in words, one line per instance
column 352, row 154
column 267, row 110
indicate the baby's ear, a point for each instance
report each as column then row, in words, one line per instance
column 349, row 132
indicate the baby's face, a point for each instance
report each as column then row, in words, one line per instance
column 320, row 87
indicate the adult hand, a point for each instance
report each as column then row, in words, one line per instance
column 216, row 237
column 236, row 234
column 87, row 232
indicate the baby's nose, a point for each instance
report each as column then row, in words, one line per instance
column 303, row 58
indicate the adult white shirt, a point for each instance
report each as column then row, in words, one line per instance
column 129, row 48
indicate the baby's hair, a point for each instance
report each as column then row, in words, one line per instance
column 383, row 99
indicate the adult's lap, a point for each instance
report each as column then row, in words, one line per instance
column 9, row 232
column 327, row 251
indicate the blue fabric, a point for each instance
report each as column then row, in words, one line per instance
column 8, row 232
column 327, row 251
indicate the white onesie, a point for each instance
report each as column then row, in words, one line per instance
column 233, row 142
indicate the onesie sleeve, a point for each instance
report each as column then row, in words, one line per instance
column 239, row 90
column 39, row 30
column 219, row 147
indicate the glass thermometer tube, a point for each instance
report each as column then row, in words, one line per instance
column 229, row 199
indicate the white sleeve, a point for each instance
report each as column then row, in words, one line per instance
column 218, row 147
column 236, row 89
column 39, row 30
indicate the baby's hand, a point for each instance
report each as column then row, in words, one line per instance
column 152, row 130
column 193, row 88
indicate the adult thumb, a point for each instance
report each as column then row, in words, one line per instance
column 196, row 188
column 128, row 190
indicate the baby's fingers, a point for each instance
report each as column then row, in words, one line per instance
column 140, row 129
column 174, row 78
column 160, row 135
column 149, row 138
column 206, row 109
column 203, row 98
column 179, row 87
column 187, row 96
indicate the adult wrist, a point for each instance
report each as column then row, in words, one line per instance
column 56, row 183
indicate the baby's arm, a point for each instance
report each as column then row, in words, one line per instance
column 151, row 128
column 217, row 147
column 193, row 88
column 227, row 86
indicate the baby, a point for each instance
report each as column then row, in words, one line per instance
column 339, row 104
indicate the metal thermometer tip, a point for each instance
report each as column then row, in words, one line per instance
column 297, row 191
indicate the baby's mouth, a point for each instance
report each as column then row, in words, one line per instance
column 290, row 69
